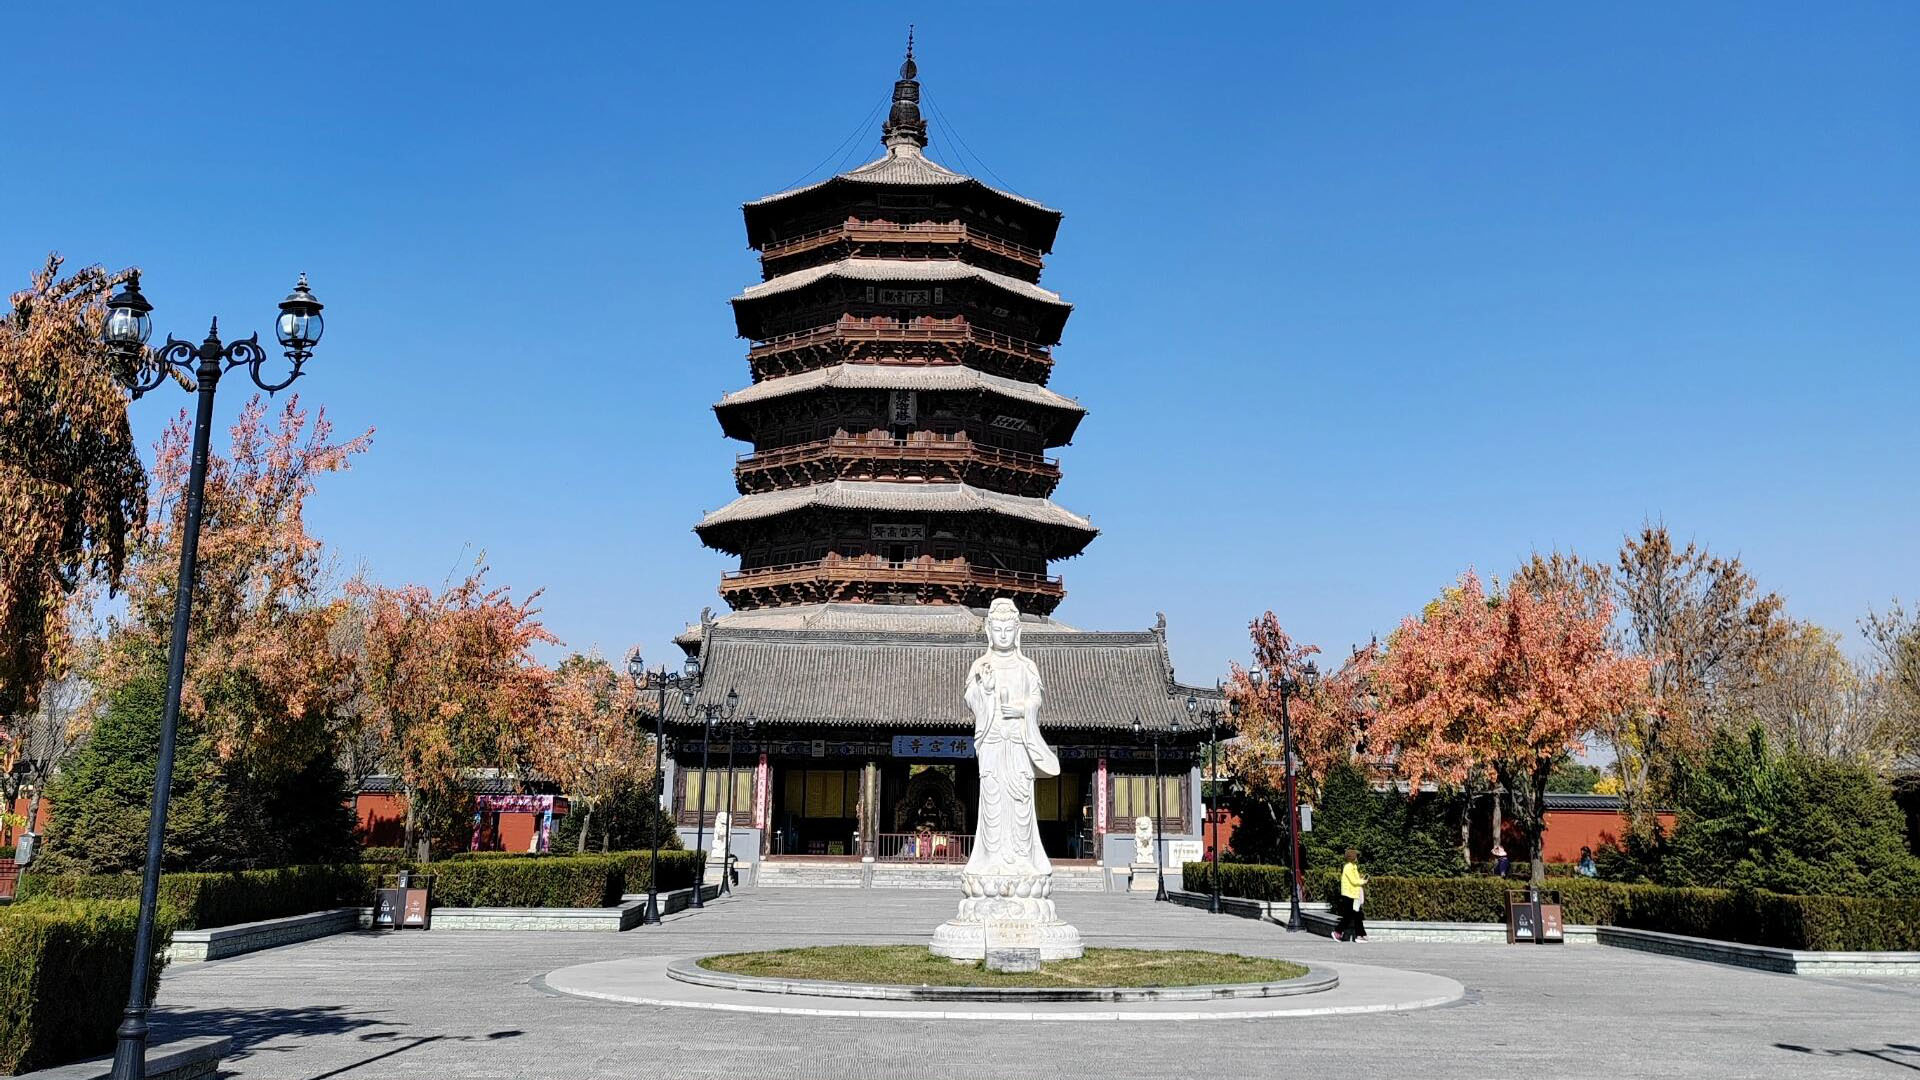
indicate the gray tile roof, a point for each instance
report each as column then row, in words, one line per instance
column 1561, row 800
column 900, row 270
column 903, row 497
column 900, row 377
column 1092, row 680
column 903, row 165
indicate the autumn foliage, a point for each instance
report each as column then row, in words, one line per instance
column 71, row 484
column 264, row 675
column 1504, row 685
column 586, row 741
column 450, row 684
column 1327, row 719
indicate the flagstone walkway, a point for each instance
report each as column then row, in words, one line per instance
column 450, row 1004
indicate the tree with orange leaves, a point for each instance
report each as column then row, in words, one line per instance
column 450, row 686
column 586, row 740
column 71, row 484
column 263, row 676
column 1328, row 719
column 1502, row 684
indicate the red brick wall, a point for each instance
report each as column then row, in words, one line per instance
column 379, row 820
column 1570, row 830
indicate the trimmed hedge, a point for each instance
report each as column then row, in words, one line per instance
column 485, row 879
column 64, row 967
column 1822, row 923
column 199, row 901
column 1254, row 881
column 516, row 879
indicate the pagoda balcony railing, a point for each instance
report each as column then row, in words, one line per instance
column 956, row 450
column 956, row 330
column 923, row 570
column 889, row 232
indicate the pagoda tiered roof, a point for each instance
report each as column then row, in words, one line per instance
column 900, row 377
column 900, row 497
column 903, row 165
column 898, row 416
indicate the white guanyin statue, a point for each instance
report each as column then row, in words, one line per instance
column 1008, row 881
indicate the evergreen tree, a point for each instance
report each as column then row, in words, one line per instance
column 1394, row 833
column 102, row 797
column 1790, row 823
column 629, row 821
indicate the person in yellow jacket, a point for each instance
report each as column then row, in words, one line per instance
column 1353, row 896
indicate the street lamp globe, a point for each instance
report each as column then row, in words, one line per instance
column 1193, row 705
column 300, row 325
column 1139, row 729
column 127, row 323
column 636, row 668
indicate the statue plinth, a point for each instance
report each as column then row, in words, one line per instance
column 1006, row 911
column 1008, row 881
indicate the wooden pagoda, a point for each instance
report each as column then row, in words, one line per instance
column 899, row 414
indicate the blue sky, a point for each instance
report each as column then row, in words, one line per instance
column 1364, row 293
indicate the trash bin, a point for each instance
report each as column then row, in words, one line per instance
column 1534, row 919
column 404, row 905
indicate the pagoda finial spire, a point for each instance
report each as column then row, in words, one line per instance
column 904, row 126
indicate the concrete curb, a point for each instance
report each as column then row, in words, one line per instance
column 613, row 920
column 1363, row 989
column 181, row 1059
column 1318, row 979
column 220, row 942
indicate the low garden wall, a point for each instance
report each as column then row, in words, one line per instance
column 1816, row 923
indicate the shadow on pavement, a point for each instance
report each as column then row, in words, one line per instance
column 278, row 1031
column 1899, row 1055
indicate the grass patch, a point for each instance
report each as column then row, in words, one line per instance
column 913, row 965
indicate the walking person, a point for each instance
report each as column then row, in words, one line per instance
column 1500, row 860
column 1353, row 896
column 1586, row 867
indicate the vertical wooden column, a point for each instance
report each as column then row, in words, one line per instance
column 869, row 809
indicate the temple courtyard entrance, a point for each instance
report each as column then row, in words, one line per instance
column 473, row 1004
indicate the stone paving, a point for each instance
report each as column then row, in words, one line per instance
column 367, row 1007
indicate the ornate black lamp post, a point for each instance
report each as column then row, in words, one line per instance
column 662, row 681
column 1213, row 788
column 128, row 326
column 1140, row 734
column 730, row 732
column 1290, row 686
column 711, row 710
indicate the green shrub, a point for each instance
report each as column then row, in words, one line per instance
column 521, row 879
column 1826, row 923
column 199, row 901
column 1521, row 870
column 1254, row 881
column 588, row 881
column 64, row 967
column 678, row 869
column 382, row 855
